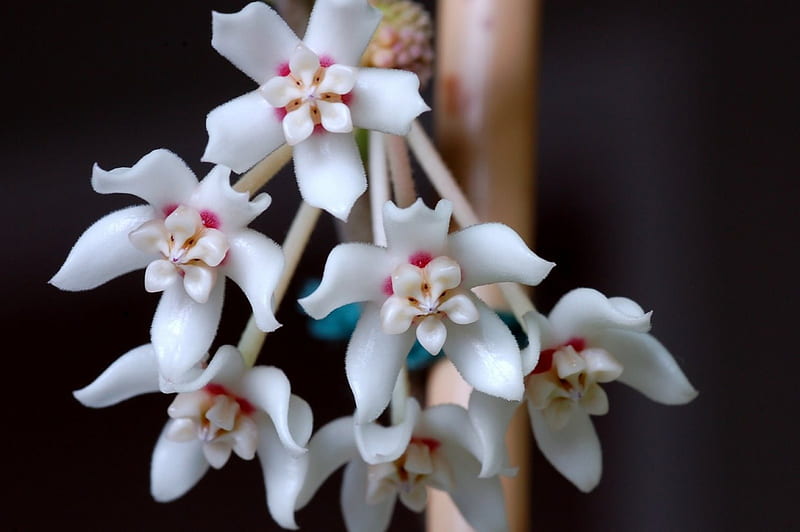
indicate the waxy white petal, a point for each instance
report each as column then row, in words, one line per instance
column 280, row 90
column 648, row 366
column 159, row 275
column 255, row 263
column 490, row 417
column 183, row 330
column 431, row 334
column 268, row 389
column 480, row 500
column 373, row 362
column 226, row 368
column 332, row 446
column 211, row 247
column 574, row 450
column 339, row 79
column 182, row 224
column 232, row 209
column 176, row 467
column 378, row 444
column 397, row 316
column 486, row 354
column 341, row 29
column 360, row 516
column 298, row 125
column 256, row 40
column 243, row 131
column 283, row 473
column 335, row 117
column 151, row 238
column 134, row 373
column 494, row 252
column 303, row 64
column 329, row 172
column 386, row 100
column 104, row 251
column 161, row 178
column 198, row 281
column 530, row 353
column 584, row 313
column 460, row 309
column 416, row 229
column 353, row 272
column 595, row 401
column 450, row 425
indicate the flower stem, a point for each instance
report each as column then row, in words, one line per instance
column 260, row 174
column 402, row 182
column 296, row 240
column 378, row 185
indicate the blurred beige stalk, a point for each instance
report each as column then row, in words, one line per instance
column 485, row 115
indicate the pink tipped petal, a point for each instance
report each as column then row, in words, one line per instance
column 134, row 373
column 493, row 252
column 255, row 263
column 242, row 131
column 338, row 79
column 417, row 228
column 360, row 516
column 585, row 312
column 431, row 334
column 383, row 444
column 353, row 272
column 104, row 251
column 198, row 281
column 486, row 355
column 268, row 389
column 284, row 473
column 648, row 367
column 226, row 368
column 373, row 362
column 574, row 450
column 232, row 209
column 176, row 467
column 298, row 125
column 490, row 417
column 161, row 178
column 329, row 172
column 386, row 100
column 335, row 117
column 530, row 354
column 332, row 446
column 256, row 40
column 183, row 330
column 341, row 29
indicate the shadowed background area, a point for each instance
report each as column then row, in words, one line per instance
column 665, row 137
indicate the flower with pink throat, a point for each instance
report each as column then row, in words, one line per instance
column 188, row 238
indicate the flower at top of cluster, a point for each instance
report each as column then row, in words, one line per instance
column 419, row 287
column 587, row 340
column 436, row 447
column 227, row 408
column 403, row 40
column 189, row 238
column 310, row 94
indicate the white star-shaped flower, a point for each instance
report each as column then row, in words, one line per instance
column 228, row 408
column 419, row 288
column 310, row 95
column 434, row 448
column 587, row 340
column 189, row 238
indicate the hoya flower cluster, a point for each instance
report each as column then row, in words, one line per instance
column 189, row 236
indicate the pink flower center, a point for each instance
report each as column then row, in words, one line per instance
column 431, row 443
column 210, row 219
column 420, row 259
column 214, row 389
column 546, row 355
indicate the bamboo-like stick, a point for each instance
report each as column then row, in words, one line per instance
column 260, row 174
column 485, row 105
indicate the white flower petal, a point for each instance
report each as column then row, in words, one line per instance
column 397, row 315
column 417, row 229
column 151, row 238
column 331, row 447
column 161, row 178
column 211, row 247
column 360, row 516
column 373, row 362
column 490, row 417
column 217, row 453
column 243, row 131
column 339, row 79
column 383, row 444
column 176, row 467
column 480, row 500
column 283, row 473
column 280, row 90
column 335, row 116
column 341, row 29
column 353, row 272
column 460, row 309
column 601, row 365
column 298, row 125
column 648, row 367
column 486, row 355
column 182, row 224
column 183, row 330
column 198, row 281
column 386, row 100
column 416, row 499
column 595, row 401
column 329, row 172
column 134, row 373
column 256, row 40
column 574, row 450
column 585, row 312
column 493, row 252
column 255, row 263
column 159, row 275
column 226, row 368
column 232, row 209
column 268, row 389
column 104, row 251
column 530, row 354
column 432, row 334
column 303, row 64
column 451, row 426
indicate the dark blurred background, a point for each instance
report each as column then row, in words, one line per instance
column 668, row 137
